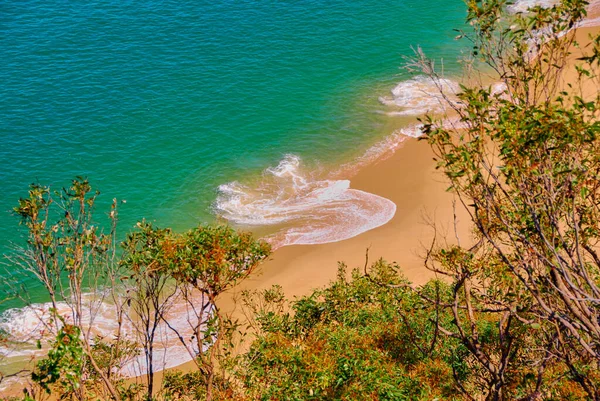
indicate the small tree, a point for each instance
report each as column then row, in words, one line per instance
column 67, row 252
column 210, row 260
column 77, row 265
column 149, row 256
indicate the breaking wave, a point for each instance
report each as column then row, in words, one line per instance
column 24, row 327
column 307, row 209
column 521, row 6
column 419, row 95
column 304, row 206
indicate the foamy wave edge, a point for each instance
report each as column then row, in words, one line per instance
column 522, row 6
column 307, row 209
column 420, row 95
column 27, row 325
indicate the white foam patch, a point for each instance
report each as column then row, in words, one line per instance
column 34, row 321
column 25, row 326
column 163, row 358
column 541, row 36
column 313, row 210
column 168, row 350
column 589, row 22
column 25, row 323
column 594, row 7
column 500, row 89
column 538, row 38
column 359, row 212
column 522, row 6
column 420, row 95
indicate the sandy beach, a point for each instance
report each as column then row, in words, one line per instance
column 410, row 180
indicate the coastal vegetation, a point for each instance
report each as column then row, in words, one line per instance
column 84, row 274
column 514, row 314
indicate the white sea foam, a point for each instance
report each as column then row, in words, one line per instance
column 420, row 95
column 312, row 210
column 25, row 326
column 541, row 36
column 34, row 322
column 309, row 208
column 589, row 22
column 594, row 7
column 24, row 323
column 521, row 6
column 168, row 350
column 163, row 358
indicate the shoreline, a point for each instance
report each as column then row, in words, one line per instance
column 409, row 179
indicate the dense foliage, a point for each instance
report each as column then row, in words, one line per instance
column 369, row 338
column 524, row 162
column 85, row 273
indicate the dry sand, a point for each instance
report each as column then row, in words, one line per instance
column 409, row 179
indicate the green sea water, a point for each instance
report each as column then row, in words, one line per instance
column 161, row 102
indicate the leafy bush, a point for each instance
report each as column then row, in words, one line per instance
column 370, row 337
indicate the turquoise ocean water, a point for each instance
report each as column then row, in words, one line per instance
column 162, row 102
